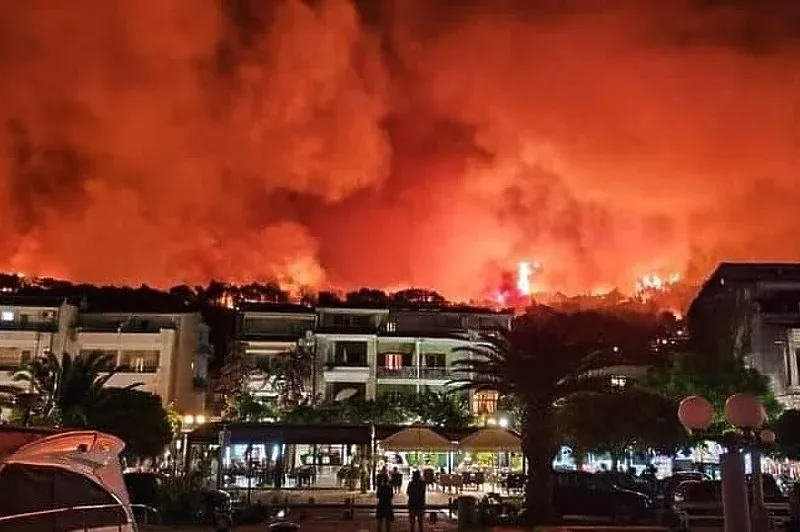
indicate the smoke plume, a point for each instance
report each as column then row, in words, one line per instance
column 395, row 143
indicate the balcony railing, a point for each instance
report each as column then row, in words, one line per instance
column 33, row 326
column 408, row 372
column 435, row 373
column 412, row 372
column 333, row 364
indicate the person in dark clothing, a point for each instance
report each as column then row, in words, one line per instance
column 397, row 479
column 416, row 501
column 384, row 511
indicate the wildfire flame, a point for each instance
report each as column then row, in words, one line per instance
column 656, row 283
column 524, row 272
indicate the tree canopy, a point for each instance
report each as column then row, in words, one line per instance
column 136, row 417
column 616, row 422
column 68, row 388
column 548, row 357
column 691, row 374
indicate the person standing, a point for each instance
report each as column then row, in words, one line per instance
column 416, row 501
column 397, row 480
column 383, row 510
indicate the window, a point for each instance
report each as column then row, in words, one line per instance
column 435, row 360
column 139, row 361
column 484, row 402
column 393, row 361
column 350, row 354
column 6, row 315
column 9, row 358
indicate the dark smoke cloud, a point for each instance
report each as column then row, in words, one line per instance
column 402, row 142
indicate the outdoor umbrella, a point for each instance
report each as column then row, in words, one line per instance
column 417, row 439
column 492, row 441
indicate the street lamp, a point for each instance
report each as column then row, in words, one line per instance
column 746, row 413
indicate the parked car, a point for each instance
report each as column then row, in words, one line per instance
column 62, row 481
column 578, row 493
column 699, row 504
column 667, row 487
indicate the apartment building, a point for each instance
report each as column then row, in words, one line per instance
column 404, row 351
column 31, row 327
column 166, row 353
column 267, row 331
column 367, row 352
column 761, row 302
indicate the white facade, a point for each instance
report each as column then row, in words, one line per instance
column 166, row 353
column 30, row 328
column 266, row 332
column 366, row 352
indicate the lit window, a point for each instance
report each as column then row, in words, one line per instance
column 484, row 402
column 7, row 315
column 393, row 361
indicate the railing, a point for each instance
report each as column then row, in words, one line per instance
column 412, row 372
column 407, row 372
column 34, row 326
column 90, row 517
column 133, row 368
column 710, row 515
column 332, row 364
column 436, row 373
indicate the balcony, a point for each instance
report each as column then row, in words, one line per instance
column 32, row 326
column 436, row 373
column 408, row 372
column 412, row 372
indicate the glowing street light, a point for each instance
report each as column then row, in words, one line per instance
column 746, row 413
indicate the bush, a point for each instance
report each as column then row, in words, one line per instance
column 179, row 499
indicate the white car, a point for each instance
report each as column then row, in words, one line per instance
column 62, row 481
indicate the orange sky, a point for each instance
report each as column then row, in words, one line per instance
column 397, row 143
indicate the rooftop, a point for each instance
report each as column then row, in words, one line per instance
column 31, row 301
column 277, row 308
column 749, row 272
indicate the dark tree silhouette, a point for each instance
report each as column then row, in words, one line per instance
column 545, row 359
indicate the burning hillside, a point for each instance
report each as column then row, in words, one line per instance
column 397, row 142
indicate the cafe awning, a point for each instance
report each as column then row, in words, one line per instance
column 417, row 439
column 491, row 440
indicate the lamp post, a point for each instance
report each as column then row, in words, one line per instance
column 747, row 414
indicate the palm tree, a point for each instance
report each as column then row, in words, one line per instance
column 69, row 387
column 546, row 358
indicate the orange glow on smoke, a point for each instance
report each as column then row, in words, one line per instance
column 425, row 143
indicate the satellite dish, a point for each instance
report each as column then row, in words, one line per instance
column 345, row 394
